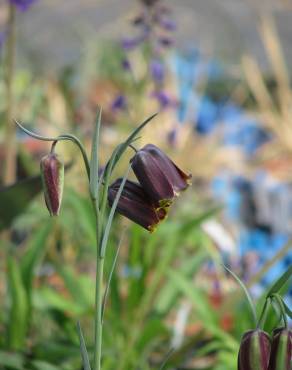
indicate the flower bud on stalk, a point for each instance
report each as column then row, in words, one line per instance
column 52, row 172
column 281, row 350
column 254, row 351
column 160, row 178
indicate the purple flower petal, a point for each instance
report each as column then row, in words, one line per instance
column 163, row 98
column 126, row 65
column 157, row 70
column 119, row 103
column 167, row 24
column 22, row 5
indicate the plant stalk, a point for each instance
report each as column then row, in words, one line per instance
column 98, row 313
column 98, row 294
column 9, row 175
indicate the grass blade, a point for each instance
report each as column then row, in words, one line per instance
column 246, row 292
column 111, row 215
column 110, row 275
column 280, row 282
column 167, row 357
column 84, row 353
column 94, row 158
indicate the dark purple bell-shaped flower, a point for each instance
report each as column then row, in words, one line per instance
column 254, row 352
column 136, row 205
column 160, row 178
column 281, row 352
column 52, row 173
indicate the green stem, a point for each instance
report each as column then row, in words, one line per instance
column 262, row 319
column 10, row 150
column 98, row 312
column 68, row 137
column 98, row 291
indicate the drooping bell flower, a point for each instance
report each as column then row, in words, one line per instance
column 160, row 178
column 135, row 205
column 52, row 173
column 281, row 351
column 254, row 352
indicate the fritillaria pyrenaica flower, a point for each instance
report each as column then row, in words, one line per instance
column 281, row 351
column 135, row 204
column 254, row 351
column 159, row 176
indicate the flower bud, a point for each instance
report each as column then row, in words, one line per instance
column 135, row 204
column 254, row 351
column 52, row 172
column 160, row 178
column 281, row 350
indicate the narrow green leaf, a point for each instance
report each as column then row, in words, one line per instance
column 11, row 360
column 111, row 215
column 94, row 158
column 202, row 307
column 131, row 138
column 43, row 365
column 167, row 357
column 123, row 146
column 246, row 292
column 84, row 353
column 280, row 282
column 287, row 309
column 19, row 311
column 279, row 300
column 14, row 199
column 116, row 155
column 110, row 275
column 35, row 252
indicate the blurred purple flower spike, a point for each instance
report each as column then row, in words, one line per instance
column 22, row 5
column 166, row 42
column 157, row 70
column 130, row 44
column 167, row 24
column 119, row 103
column 162, row 98
column 126, row 64
column 172, row 137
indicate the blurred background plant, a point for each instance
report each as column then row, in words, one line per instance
column 230, row 127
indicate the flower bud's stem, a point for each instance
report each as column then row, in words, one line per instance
column 262, row 319
column 53, row 146
column 98, row 311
